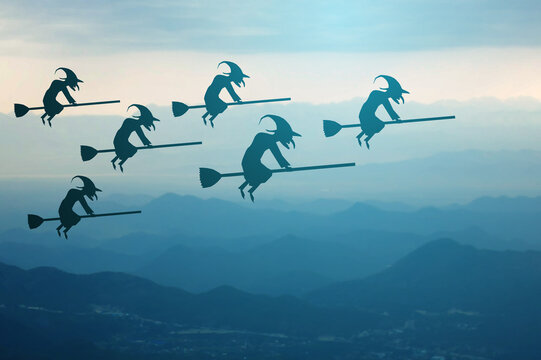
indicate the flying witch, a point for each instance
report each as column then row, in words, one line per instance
column 213, row 103
column 51, row 105
column 68, row 217
column 255, row 173
column 370, row 123
column 123, row 148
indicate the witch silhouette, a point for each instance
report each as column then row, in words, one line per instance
column 255, row 173
column 213, row 103
column 370, row 123
column 68, row 217
column 123, row 148
column 51, row 105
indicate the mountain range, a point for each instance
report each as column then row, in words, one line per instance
column 443, row 295
column 173, row 214
column 443, row 275
column 266, row 250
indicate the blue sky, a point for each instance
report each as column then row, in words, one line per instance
column 267, row 26
column 321, row 51
column 478, row 60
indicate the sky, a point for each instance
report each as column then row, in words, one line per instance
column 65, row 27
column 478, row 60
column 319, row 51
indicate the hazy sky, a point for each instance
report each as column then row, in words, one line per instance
column 89, row 27
column 453, row 56
column 313, row 51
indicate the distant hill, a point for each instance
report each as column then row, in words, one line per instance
column 318, row 206
column 173, row 214
column 198, row 244
column 288, row 265
column 504, row 224
column 268, row 251
column 68, row 257
column 226, row 307
column 520, row 204
column 444, row 275
column 455, row 294
column 444, row 296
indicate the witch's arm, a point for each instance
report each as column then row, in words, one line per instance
column 142, row 136
column 85, row 206
column 387, row 105
column 278, row 156
column 68, row 96
column 232, row 92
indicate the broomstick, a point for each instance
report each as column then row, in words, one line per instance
column 180, row 108
column 331, row 128
column 21, row 110
column 35, row 221
column 88, row 152
column 209, row 177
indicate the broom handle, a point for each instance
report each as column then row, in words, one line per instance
column 100, row 215
column 244, row 102
column 419, row 120
column 157, row 146
column 232, row 174
column 405, row 121
column 298, row 169
column 316, row 167
column 81, row 104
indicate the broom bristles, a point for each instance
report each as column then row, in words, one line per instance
column 20, row 110
column 88, row 152
column 208, row 177
column 331, row 128
column 179, row 108
column 34, row 221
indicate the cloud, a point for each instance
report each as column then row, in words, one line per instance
column 270, row 26
column 154, row 77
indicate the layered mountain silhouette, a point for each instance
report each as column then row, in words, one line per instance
column 294, row 253
column 68, row 257
column 444, row 275
column 288, row 265
column 442, row 295
column 173, row 214
column 496, row 292
column 58, row 291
